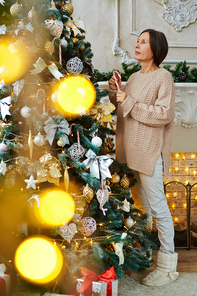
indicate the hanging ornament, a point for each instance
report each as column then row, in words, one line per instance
column 68, row 231
column 126, row 206
column 76, row 218
column 31, row 183
column 3, row 147
column 88, row 192
column 74, row 66
column 30, row 144
column 55, row 27
column 67, row 7
column 66, row 179
column 88, row 226
column 16, row 9
column 129, row 222
column 25, row 112
column 39, row 140
column 3, row 168
column 64, row 42
column 115, row 178
column 32, row 15
column 60, row 142
column 102, row 196
column 96, row 141
column 49, row 47
column 125, row 182
column 75, row 152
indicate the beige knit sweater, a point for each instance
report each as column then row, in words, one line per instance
column 145, row 120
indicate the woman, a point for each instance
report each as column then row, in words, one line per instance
column 145, row 113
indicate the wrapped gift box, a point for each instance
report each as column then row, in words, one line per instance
column 5, row 281
column 99, row 288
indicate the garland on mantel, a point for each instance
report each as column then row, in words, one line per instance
column 180, row 73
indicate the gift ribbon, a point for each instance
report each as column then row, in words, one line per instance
column 21, row 26
column 52, row 126
column 115, row 78
column 5, row 106
column 40, row 65
column 89, row 277
column 60, row 49
column 98, row 165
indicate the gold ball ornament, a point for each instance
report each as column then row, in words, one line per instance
column 125, row 182
column 49, row 47
column 67, row 7
column 60, row 142
column 16, row 9
column 129, row 222
column 32, row 15
column 88, row 192
column 115, row 178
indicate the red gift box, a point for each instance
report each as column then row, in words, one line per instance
column 5, row 281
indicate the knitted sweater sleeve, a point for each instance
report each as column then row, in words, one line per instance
column 161, row 112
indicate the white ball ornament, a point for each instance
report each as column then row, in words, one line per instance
column 64, row 42
column 39, row 140
column 96, row 141
column 3, row 147
column 25, row 112
column 60, row 142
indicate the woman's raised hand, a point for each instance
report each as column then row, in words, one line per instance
column 112, row 82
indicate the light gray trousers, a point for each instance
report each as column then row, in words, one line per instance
column 148, row 195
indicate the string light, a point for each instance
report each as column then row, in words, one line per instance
column 195, row 197
column 193, row 155
column 167, row 195
column 194, row 173
column 176, row 219
column 186, row 170
column 185, row 205
column 175, row 194
column 177, row 155
column 173, row 206
column 176, row 169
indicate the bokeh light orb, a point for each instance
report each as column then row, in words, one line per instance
column 75, row 95
column 38, row 260
column 15, row 59
column 56, row 208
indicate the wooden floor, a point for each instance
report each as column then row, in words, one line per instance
column 187, row 261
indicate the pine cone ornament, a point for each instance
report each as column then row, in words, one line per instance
column 125, row 182
column 49, row 47
column 182, row 76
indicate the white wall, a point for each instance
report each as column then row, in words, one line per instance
column 99, row 17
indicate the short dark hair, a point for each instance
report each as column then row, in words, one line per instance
column 158, row 44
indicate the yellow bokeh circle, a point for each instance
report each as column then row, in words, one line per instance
column 38, row 260
column 56, row 208
column 75, row 95
column 15, row 59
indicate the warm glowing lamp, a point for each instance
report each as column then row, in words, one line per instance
column 74, row 95
column 14, row 60
column 56, row 208
column 38, row 260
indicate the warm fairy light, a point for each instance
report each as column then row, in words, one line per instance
column 186, row 169
column 56, row 208
column 167, row 195
column 170, row 170
column 21, row 189
column 186, row 182
column 16, row 162
column 91, row 242
column 101, row 224
column 193, row 155
column 38, row 260
column 173, row 206
column 194, row 173
column 176, row 219
column 14, row 59
column 175, row 194
column 183, row 157
column 177, row 155
column 195, row 197
column 74, row 95
column 185, row 205
column 176, row 169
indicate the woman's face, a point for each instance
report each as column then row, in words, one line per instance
column 143, row 50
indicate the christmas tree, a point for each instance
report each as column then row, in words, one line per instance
column 57, row 135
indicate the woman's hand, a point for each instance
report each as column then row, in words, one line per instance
column 121, row 96
column 112, row 83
